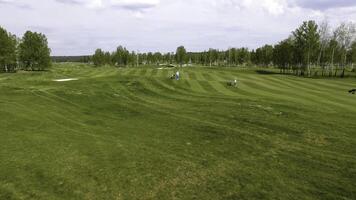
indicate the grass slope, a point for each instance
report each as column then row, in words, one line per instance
column 134, row 134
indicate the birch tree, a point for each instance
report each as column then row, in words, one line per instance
column 8, row 44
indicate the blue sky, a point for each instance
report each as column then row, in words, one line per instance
column 78, row 27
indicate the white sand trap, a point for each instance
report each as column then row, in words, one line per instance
column 66, row 79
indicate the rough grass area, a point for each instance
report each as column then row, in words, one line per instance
column 133, row 133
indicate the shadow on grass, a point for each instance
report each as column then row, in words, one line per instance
column 266, row 72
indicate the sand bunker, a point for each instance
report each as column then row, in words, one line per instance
column 66, row 79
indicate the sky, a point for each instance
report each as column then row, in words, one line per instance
column 78, row 27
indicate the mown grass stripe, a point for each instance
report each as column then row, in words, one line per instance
column 222, row 87
column 208, row 88
column 261, row 91
column 196, row 87
column 163, row 73
column 199, row 76
column 317, row 99
column 141, row 72
column 208, row 77
column 154, row 72
column 192, row 76
column 131, row 72
column 187, row 84
column 158, row 86
column 218, row 78
column 224, row 76
column 323, row 94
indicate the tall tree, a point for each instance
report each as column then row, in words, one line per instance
column 244, row 56
column 307, row 41
column 149, row 58
column 157, row 58
column 213, row 56
column 121, row 56
column 181, row 54
column 324, row 32
column 345, row 34
column 99, row 57
column 264, row 55
column 8, row 44
column 353, row 55
column 333, row 54
column 283, row 54
column 34, row 51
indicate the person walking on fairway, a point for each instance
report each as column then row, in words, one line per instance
column 177, row 75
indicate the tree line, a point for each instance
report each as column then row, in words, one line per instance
column 213, row 57
column 311, row 50
column 31, row 52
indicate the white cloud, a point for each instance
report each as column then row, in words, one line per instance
column 153, row 25
column 323, row 4
column 134, row 4
column 95, row 4
column 275, row 7
column 123, row 4
column 16, row 3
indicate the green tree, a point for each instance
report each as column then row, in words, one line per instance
column 149, row 58
column 34, row 53
column 8, row 44
column 244, row 56
column 121, row 56
column 213, row 56
column 353, row 55
column 333, row 52
column 133, row 59
column 157, row 58
column 345, row 34
column 181, row 54
column 108, row 58
column 167, row 58
column 283, row 54
column 98, row 57
column 307, row 42
column 325, row 37
column 264, row 55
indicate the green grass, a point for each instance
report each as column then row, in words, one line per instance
column 132, row 133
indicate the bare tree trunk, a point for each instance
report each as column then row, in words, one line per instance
column 332, row 61
column 344, row 66
column 319, row 57
column 308, row 64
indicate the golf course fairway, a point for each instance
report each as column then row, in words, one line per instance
column 133, row 133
